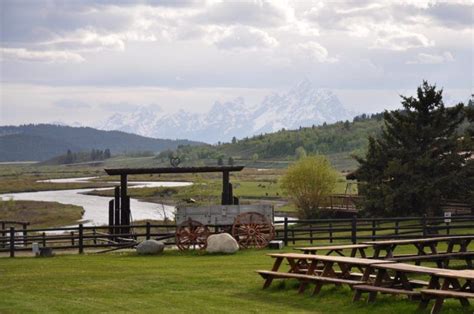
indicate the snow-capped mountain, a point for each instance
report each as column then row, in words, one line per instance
column 303, row 105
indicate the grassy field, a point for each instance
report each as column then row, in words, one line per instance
column 172, row 283
column 40, row 214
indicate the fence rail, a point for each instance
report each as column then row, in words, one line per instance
column 353, row 230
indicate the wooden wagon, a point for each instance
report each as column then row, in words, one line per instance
column 250, row 225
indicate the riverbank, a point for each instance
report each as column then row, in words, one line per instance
column 40, row 214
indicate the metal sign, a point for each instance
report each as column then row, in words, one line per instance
column 447, row 217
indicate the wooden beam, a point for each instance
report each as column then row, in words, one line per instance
column 127, row 171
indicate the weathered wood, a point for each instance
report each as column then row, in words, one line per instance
column 81, row 239
column 12, row 241
column 128, row 171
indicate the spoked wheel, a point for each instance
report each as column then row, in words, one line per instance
column 252, row 230
column 191, row 235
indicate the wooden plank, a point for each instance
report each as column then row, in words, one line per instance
column 408, row 268
column 333, row 247
column 328, row 258
column 370, row 288
column 448, row 293
column 127, row 171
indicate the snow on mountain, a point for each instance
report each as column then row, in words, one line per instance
column 303, row 105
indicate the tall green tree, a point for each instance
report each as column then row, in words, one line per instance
column 417, row 161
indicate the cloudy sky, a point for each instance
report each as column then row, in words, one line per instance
column 84, row 60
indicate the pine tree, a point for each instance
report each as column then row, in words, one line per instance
column 416, row 162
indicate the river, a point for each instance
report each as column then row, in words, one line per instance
column 96, row 207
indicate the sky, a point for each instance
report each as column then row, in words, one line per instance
column 82, row 61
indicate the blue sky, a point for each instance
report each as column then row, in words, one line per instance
column 84, row 60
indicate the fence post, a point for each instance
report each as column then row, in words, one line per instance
column 285, row 231
column 354, row 230
column 81, row 239
column 448, row 228
column 373, row 229
column 330, row 232
column 423, row 222
column 25, row 240
column 72, row 238
column 94, row 233
column 397, row 227
column 4, row 234
column 311, row 233
column 12, row 241
column 148, row 229
column 44, row 239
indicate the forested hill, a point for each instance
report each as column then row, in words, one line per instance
column 341, row 137
column 44, row 141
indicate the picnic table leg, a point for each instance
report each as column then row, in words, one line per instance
column 353, row 252
column 275, row 267
column 362, row 252
column 439, row 300
column 378, row 282
column 456, row 285
column 365, row 278
column 327, row 270
column 311, row 268
column 433, row 284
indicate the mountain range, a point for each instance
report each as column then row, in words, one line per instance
column 43, row 141
column 303, row 105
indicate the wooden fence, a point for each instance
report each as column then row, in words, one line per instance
column 363, row 229
column 106, row 238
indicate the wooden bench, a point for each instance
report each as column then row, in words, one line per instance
column 441, row 259
column 446, row 284
column 306, row 278
column 399, row 283
column 326, row 273
column 338, row 249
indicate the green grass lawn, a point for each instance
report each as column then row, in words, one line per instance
column 175, row 282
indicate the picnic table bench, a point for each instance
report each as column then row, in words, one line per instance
column 338, row 249
column 398, row 283
column 326, row 274
column 447, row 284
column 441, row 258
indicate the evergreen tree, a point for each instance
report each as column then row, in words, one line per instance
column 230, row 162
column 416, row 162
column 107, row 153
column 234, row 140
column 69, row 157
column 220, row 161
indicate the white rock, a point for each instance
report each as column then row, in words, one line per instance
column 221, row 243
column 150, row 247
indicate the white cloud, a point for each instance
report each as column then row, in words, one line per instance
column 316, row 52
column 426, row 58
column 393, row 37
column 240, row 37
column 40, row 56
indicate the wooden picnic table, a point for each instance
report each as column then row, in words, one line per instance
column 448, row 284
column 398, row 283
column 338, row 249
column 326, row 274
column 421, row 245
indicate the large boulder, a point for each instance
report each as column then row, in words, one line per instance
column 150, row 247
column 221, row 243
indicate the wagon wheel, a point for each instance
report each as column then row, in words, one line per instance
column 191, row 234
column 252, row 230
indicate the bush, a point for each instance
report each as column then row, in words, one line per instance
column 308, row 182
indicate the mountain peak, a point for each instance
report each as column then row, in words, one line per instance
column 303, row 105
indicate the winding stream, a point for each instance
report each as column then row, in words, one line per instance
column 96, row 207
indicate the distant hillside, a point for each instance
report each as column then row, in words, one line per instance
column 44, row 141
column 340, row 137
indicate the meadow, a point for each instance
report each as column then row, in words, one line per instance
column 174, row 282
